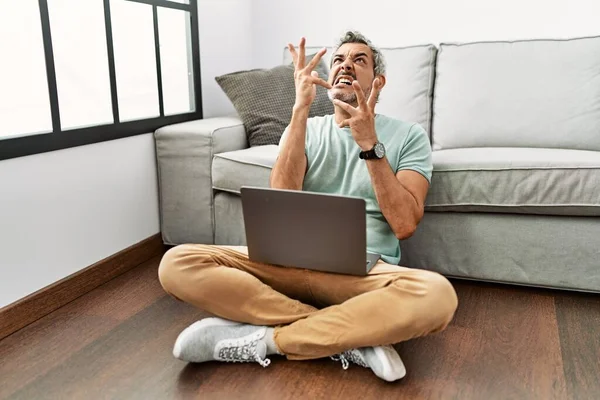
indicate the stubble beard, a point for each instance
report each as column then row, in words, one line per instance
column 346, row 97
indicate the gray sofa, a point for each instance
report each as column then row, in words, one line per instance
column 515, row 132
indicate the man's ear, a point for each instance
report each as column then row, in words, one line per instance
column 381, row 85
column 381, row 81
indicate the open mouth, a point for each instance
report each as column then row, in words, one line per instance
column 343, row 80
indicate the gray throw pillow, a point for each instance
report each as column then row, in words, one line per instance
column 264, row 98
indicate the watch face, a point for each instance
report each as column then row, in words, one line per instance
column 379, row 150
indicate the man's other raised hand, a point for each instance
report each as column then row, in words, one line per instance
column 305, row 77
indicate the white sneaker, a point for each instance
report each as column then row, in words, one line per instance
column 222, row 340
column 384, row 361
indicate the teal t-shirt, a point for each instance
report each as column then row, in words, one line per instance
column 334, row 168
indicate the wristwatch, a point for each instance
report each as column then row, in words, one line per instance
column 377, row 152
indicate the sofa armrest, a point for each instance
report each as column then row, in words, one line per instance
column 184, row 155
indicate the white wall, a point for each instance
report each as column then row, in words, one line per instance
column 65, row 210
column 408, row 22
column 225, row 46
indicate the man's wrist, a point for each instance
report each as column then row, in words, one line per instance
column 377, row 152
column 301, row 109
column 366, row 145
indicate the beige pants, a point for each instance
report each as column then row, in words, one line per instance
column 316, row 314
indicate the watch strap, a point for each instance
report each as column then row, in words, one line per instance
column 371, row 154
column 367, row 155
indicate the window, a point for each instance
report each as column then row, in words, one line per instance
column 135, row 59
column 82, row 72
column 80, row 62
column 175, row 61
column 24, row 101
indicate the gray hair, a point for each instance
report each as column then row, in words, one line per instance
column 357, row 37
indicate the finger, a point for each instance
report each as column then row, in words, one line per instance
column 302, row 53
column 374, row 93
column 293, row 53
column 345, row 106
column 324, row 83
column 319, row 81
column 345, row 123
column 360, row 95
column 313, row 63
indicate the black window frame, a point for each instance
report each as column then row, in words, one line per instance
column 59, row 139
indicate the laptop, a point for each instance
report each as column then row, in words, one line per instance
column 316, row 231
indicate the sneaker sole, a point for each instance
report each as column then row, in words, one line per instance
column 393, row 367
column 192, row 329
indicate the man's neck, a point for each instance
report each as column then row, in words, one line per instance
column 341, row 115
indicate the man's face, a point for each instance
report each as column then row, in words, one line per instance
column 352, row 61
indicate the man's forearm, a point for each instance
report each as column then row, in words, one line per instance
column 398, row 205
column 290, row 167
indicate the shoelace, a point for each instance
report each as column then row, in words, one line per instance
column 349, row 356
column 244, row 352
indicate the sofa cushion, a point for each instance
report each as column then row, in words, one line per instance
column 536, row 93
column 516, row 180
column 264, row 99
column 408, row 92
column 248, row 167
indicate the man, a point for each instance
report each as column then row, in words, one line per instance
column 304, row 314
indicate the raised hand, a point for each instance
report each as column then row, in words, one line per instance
column 305, row 78
column 362, row 117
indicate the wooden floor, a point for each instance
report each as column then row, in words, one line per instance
column 115, row 343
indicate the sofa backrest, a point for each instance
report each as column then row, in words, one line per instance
column 536, row 93
column 408, row 91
